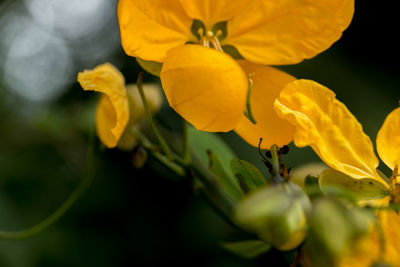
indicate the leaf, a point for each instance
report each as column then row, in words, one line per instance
column 325, row 124
column 248, row 173
column 202, row 142
column 360, row 189
column 226, row 181
column 248, row 249
column 151, row 67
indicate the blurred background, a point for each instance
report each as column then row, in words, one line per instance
column 135, row 217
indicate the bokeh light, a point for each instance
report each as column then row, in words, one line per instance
column 46, row 42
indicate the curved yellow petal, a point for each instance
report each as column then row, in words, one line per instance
column 286, row 32
column 370, row 251
column 325, row 124
column 152, row 27
column 213, row 11
column 267, row 84
column 112, row 114
column 388, row 140
column 206, row 87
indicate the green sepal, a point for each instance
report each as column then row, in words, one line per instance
column 360, row 189
column 248, row 249
column 232, row 51
column 311, row 185
column 248, row 174
column 196, row 25
column 220, row 26
column 151, row 67
column 227, row 182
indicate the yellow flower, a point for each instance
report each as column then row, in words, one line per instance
column 118, row 106
column 325, row 124
column 207, row 87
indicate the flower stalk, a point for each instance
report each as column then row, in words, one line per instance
column 161, row 141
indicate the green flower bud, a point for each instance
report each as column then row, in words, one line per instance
column 335, row 226
column 277, row 214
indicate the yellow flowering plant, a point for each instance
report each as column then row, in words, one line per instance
column 214, row 60
column 208, row 88
column 327, row 126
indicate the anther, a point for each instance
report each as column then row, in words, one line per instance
column 200, row 31
column 209, row 34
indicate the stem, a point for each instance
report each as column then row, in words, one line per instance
column 214, row 191
column 186, row 147
column 296, row 260
column 159, row 137
column 160, row 157
column 76, row 194
column 248, row 113
column 210, row 189
column 275, row 162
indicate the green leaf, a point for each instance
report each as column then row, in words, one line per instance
column 248, row 249
column 202, row 142
column 151, row 67
column 248, row 173
column 360, row 189
column 226, row 181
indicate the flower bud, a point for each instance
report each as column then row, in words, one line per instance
column 277, row 214
column 139, row 157
column 334, row 229
column 153, row 97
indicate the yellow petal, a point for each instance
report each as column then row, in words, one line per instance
column 150, row 28
column 369, row 250
column 113, row 109
column 153, row 98
column 268, row 83
column 213, row 11
column 286, row 32
column 205, row 86
column 325, row 124
column 388, row 140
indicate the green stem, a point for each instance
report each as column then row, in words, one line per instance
column 248, row 113
column 186, row 147
column 161, row 141
column 214, row 191
column 275, row 162
column 210, row 189
column 160, row 157
column 76, row 194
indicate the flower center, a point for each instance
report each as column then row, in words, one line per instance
column 209, row 39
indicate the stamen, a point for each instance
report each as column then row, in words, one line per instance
column 215, row 42
column 208, row 39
